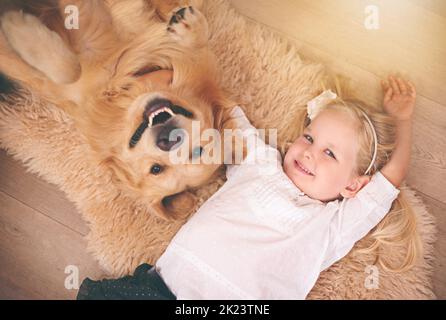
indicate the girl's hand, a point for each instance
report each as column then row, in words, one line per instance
column 399, row 98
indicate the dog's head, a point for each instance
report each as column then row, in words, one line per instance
column 159, row 138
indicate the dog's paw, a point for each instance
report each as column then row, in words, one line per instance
column 19, row 28
column 40, row 47
column 189, row 27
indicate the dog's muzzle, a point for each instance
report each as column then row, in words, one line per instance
column 156, row 115
column 169, row 137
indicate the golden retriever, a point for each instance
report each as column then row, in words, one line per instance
column 126, row 87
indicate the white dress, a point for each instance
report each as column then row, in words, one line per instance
column 260, row 237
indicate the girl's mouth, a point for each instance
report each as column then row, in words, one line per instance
column 302, row 169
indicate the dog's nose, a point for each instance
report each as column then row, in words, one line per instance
column 169, row 138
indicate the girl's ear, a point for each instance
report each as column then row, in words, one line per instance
column 355, row 185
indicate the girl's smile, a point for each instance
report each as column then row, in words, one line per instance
column 302, row 169
column 322, row 161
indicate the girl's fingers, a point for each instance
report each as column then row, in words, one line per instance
column 402, row 86
column 388, row 94
column 385, row 85
column 394, row 85
column 413, row 92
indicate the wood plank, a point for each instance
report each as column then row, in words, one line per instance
column 428, row 165
column 410, row 39
column 434, row 6
column 439, row 211
column 34, row 252
column 33, row 191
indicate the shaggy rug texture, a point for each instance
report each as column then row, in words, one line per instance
column 272, row 83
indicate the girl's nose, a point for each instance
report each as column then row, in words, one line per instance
column 307, row 154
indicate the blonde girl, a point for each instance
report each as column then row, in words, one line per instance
column 393, row 135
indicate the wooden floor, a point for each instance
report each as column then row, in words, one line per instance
column 41, row 233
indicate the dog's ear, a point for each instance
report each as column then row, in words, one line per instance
column 175, row 207
column 180, row 205
column 121, row 173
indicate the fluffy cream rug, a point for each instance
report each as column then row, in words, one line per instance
column 272, row 83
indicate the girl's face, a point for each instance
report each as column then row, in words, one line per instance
column 321, row 162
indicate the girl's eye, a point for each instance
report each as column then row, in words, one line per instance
column 329, row 153
column 308, row 137
column 156, row 169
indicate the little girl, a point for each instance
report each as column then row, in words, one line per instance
column 269, row 231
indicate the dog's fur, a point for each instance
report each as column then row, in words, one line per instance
column 99, row 75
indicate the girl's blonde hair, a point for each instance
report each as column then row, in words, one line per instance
column 399, row 228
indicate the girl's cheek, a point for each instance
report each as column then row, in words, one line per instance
column 335, row 174
column 292, row 150
column 299, row 145
column 325, row 166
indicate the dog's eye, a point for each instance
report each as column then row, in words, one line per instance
column 197, row 152
column 156, row 169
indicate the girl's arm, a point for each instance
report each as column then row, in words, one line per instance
column 399, row 101
column 253, row 151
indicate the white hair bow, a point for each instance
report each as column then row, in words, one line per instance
column 315, row 105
